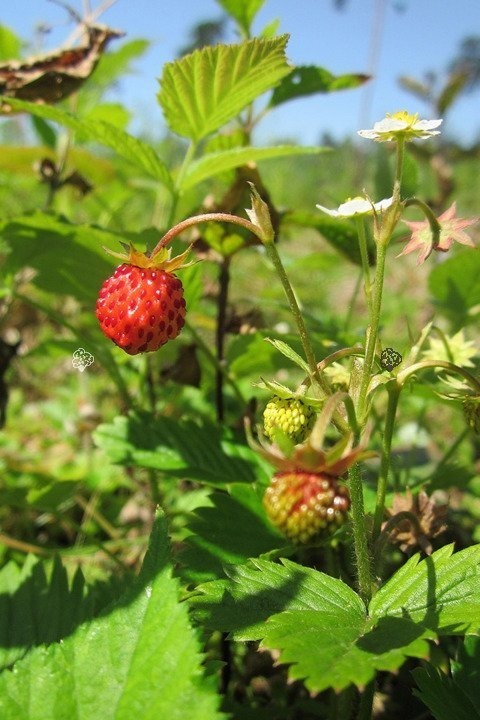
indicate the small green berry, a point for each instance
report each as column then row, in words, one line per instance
column 293, row 416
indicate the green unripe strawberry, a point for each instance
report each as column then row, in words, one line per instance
column 293, row 416
column 305, row 505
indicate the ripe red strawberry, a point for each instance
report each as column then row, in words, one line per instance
column 304, row 505
column 141, row 306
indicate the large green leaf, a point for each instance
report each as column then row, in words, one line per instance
column 243, row 11
column 127, row 146
column 321, row 627
column 36, row 609
column 139, row 659
column 456, row 696
column 206, row 89
column 217, row 162
column 261, row 589
column 231, row 530
column 439, row 592
column 310, row 79
column 68, row 259
column 200, row 451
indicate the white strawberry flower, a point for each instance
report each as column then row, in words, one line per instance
column 402, row 125
column 357, row 206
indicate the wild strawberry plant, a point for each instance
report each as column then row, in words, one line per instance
column 295, row 567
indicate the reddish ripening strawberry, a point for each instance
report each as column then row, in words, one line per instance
column 304, row 505
column 141, row 306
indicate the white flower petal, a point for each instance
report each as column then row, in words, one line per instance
column 427, row 124
column 332, row 213
column 357, row 206
column 390, row 125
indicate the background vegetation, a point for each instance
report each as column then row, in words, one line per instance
column 87, row 458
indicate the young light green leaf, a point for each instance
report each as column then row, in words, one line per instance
column 131, row 148
column 276, row 388
column 243, row 11
column 310, row 79
column 439, row 592
column 200, row 451
column 217, row 162
column 206, row 89
column 10, row 44
column 290, row 354
column 141, row 656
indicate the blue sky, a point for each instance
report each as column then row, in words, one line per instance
column 411, row 37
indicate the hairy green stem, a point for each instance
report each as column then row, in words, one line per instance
column 393, row 395
column 202, row 218
column 222, row 300
column 372, row 330
column 274, row 256
column 362, row 242
column 425, row 364
column 362, row 557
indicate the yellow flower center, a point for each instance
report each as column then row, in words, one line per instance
column 404, row 116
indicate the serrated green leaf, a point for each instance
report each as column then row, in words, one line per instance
column 243, row 11
column 131, row 148
column 141, row 657
column 200, row 451
column 261, row 589
column 218, row 162
column 328, row 651
column 289, row 353
column 340, row 234
column 36, row 608
column 229, row 532
column 206, row 89
column 443, row 696
column 310, row 79
column 439, row 592
column 320, row 625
